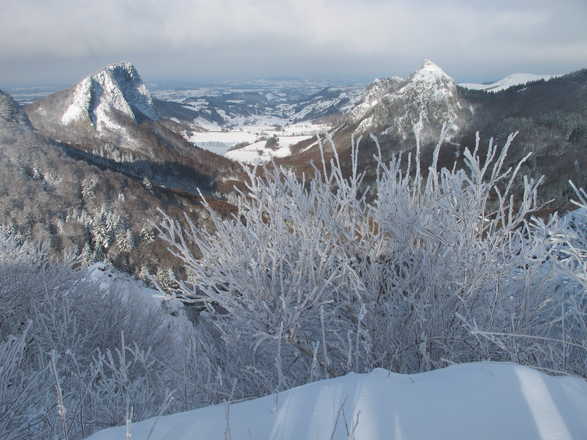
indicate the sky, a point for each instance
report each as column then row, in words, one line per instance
column 61, row 41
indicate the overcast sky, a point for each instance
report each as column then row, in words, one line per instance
column 60, row 41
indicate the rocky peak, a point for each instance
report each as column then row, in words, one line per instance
column 430, row 73
column 429, row 84
column 423, row 102
column 117, row 87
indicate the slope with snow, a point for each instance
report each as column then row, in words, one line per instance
column 109, row 279
column 374, row 94
column 514, row 79
column 481, row 401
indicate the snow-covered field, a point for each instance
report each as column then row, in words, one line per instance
column 479, row 401
column 257, row 153
column 220, row 141
column 256, row 136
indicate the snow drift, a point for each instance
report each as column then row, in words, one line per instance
column 469, row 401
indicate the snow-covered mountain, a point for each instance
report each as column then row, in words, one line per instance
column 374, row 94
column 104, row 105
column 111, row 117
column 104, row 108
column 116, row 88
column 549, row 116
column 424, row 101
column 482, row 401
column 515, row 79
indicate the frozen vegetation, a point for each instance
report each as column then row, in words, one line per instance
column 312, row 280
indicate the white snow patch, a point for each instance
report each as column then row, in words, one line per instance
column 430, row 72
column 110, row 279
column 79, row 107
column 256, row 135
column 481, row 401
column 206, row 124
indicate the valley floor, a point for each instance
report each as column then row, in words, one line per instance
column 254, row 137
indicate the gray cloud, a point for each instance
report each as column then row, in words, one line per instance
column 62, row 40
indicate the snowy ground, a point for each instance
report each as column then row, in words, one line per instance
column 479, row 401
column 256, row 136
column 256, row 153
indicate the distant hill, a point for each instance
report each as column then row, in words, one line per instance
column 515, row 79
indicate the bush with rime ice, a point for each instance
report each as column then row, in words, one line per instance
column 312, row 279
column 74, row 357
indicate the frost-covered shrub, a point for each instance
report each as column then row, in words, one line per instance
column 312, row 279
column 107, row 351
column 14, row 249
column 21, row 391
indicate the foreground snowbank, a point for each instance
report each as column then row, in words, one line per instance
column 471, row 401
